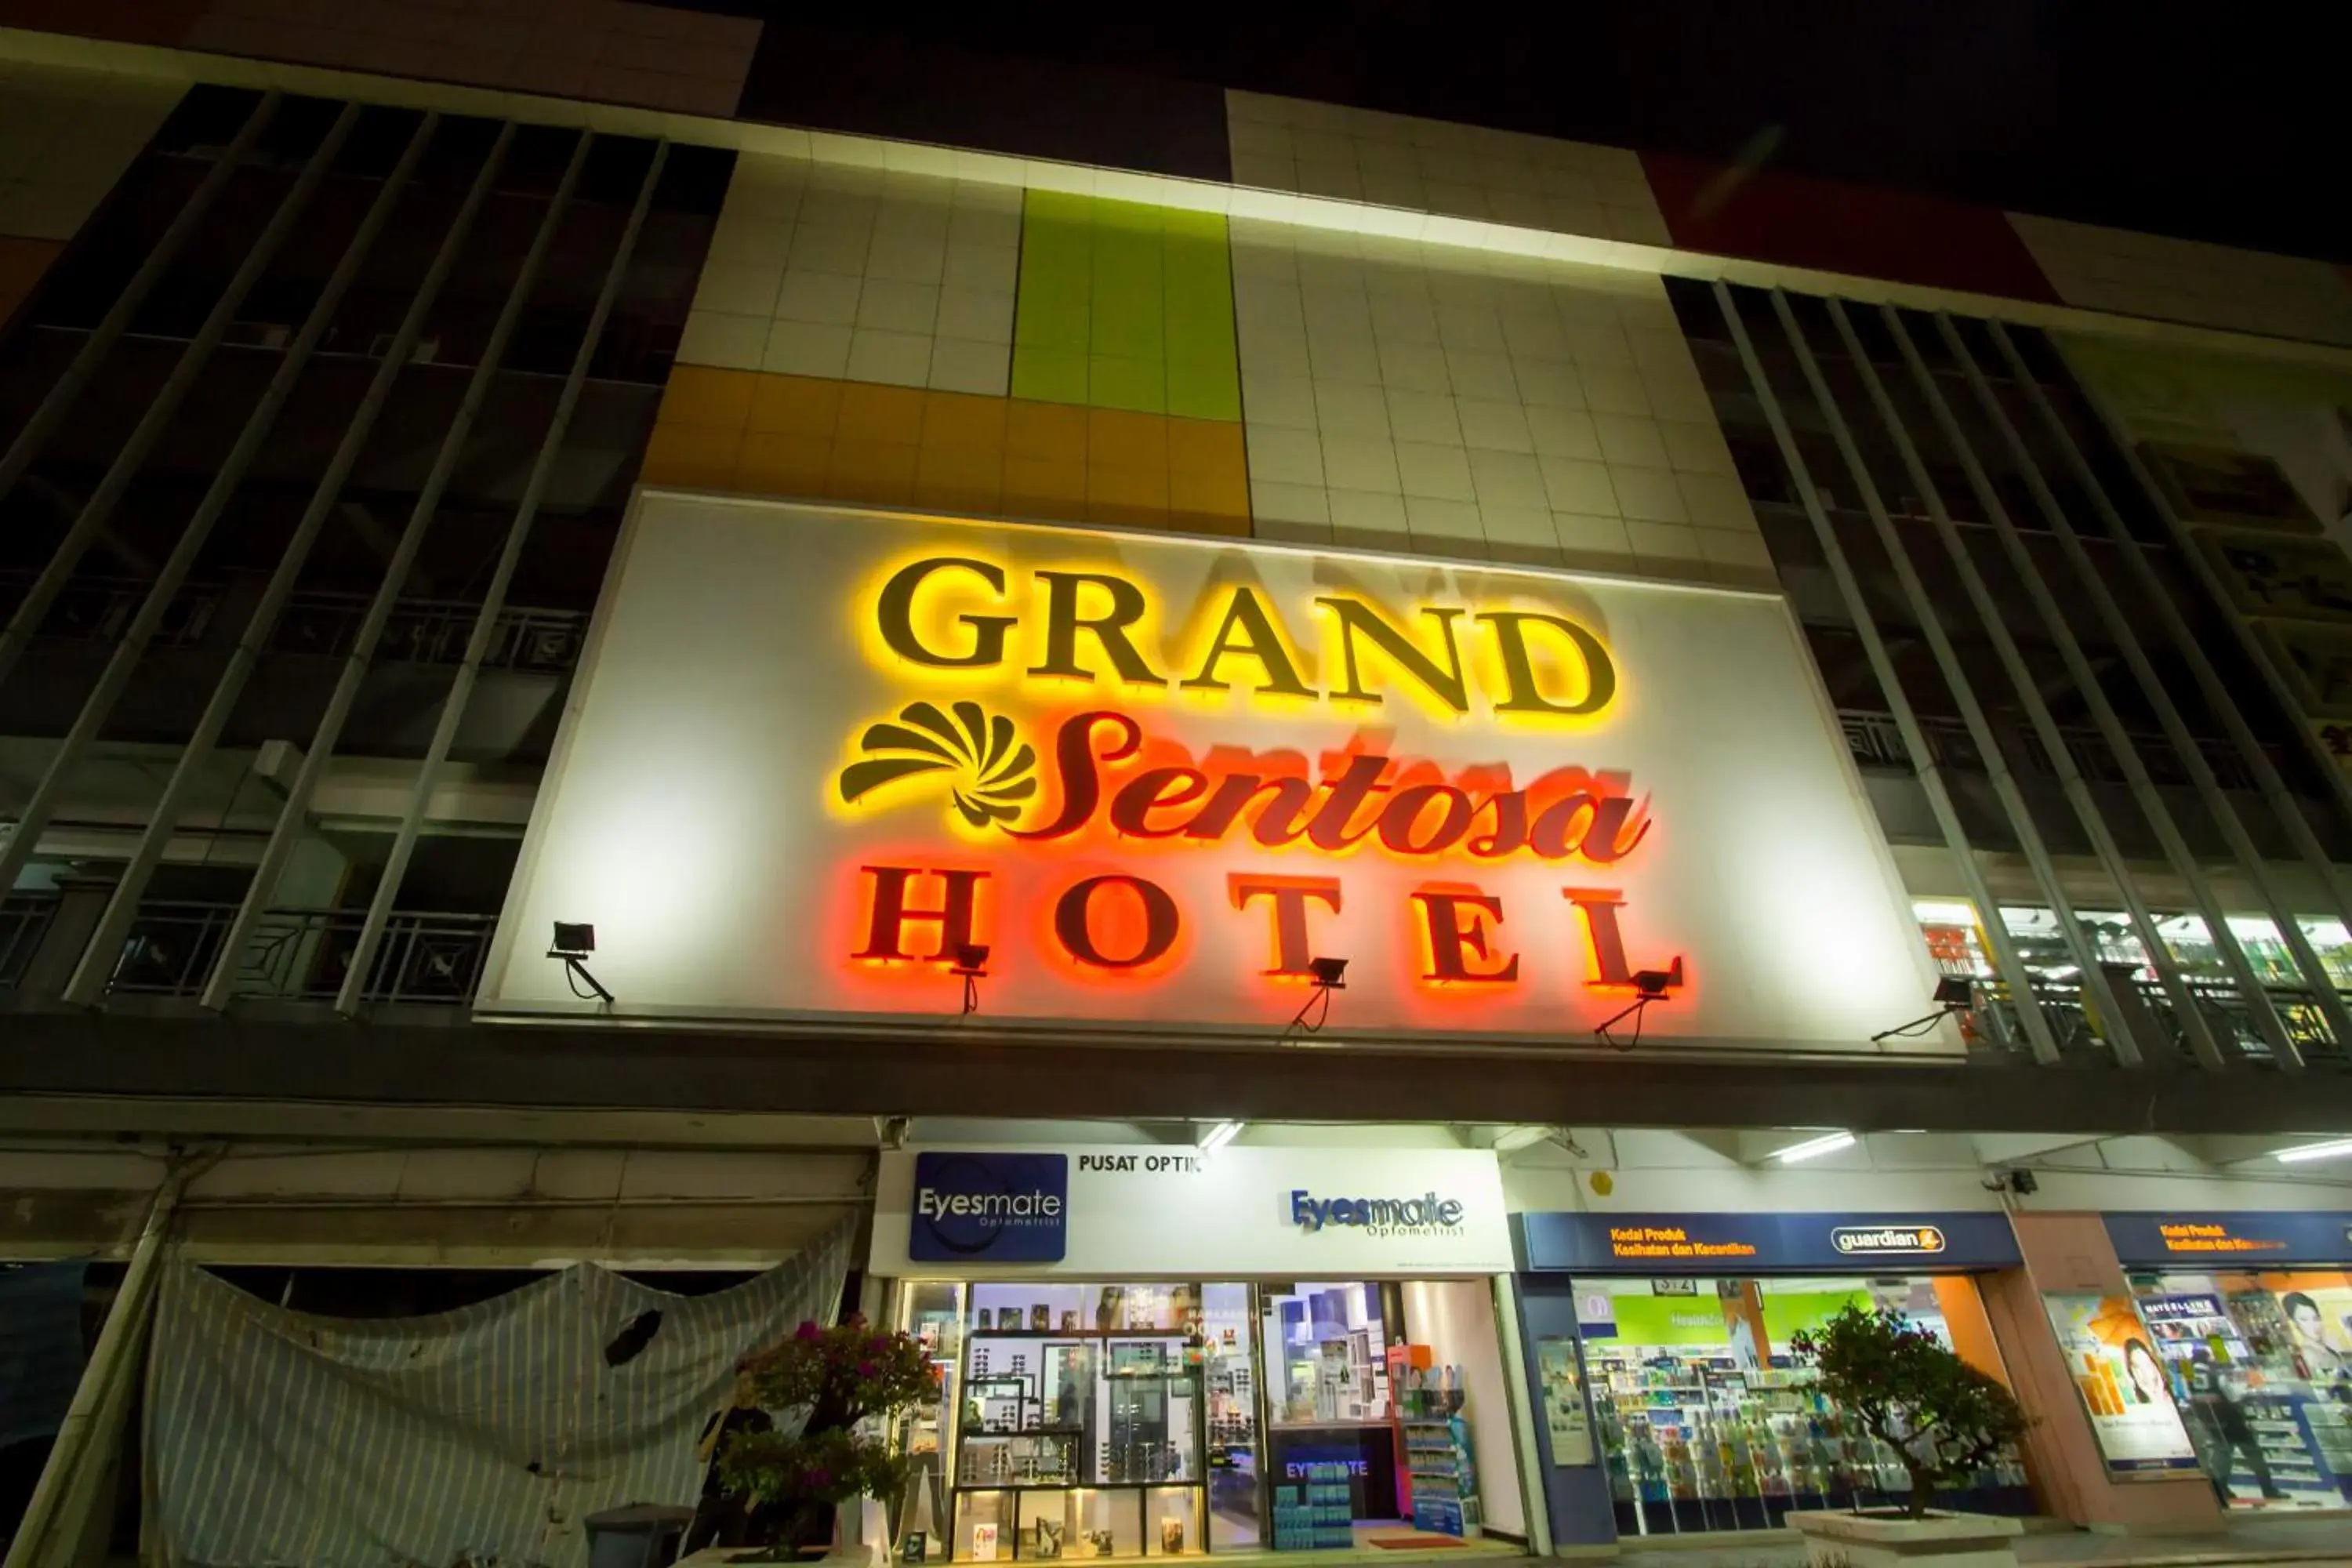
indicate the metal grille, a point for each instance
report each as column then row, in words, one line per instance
column 1947, row 483
column 99, row 609
column 456, row 324
column 23, row 921
column 303, row 955
column 432, row 631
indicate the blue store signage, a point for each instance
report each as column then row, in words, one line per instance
column 1668, row 1244
column 2248, row 1240
column 992, row 1208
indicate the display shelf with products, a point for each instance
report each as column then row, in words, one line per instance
column 2330, row 1426
column 2235, row 1348
column 1316, row 1512
column 1431, row 1416
column 1081, row 1441
column 2277, row 1425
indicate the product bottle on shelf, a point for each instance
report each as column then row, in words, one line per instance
column 1707, row 1459
column 1683, row 1475
column 1649, row 1463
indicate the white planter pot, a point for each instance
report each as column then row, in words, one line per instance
column 1880, row 1540
column 858, row 1535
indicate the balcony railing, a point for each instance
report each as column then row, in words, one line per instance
column 303, row 955
column 1997, row 1027
column 1876, row 741
column 23, row 921
column 98, row 609
column 315, row 621
column 431, row 631
column 2227, row 1014
column 2231, row 1018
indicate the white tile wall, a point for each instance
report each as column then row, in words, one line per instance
column 1403, row 395
column 2185, row 280
column 65, row 136
column 830, row 270
column 1433, row 166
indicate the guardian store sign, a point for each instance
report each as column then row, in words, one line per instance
column 1099, row 1211
column 812, row 755
column 1650, row 1243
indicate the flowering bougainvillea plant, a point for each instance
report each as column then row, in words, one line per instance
column 849, row 1379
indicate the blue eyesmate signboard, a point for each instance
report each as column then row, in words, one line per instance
column 990, row 1209
column 1667, row 1244
column 2255, row 1240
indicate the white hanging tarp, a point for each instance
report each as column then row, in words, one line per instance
column 488, row 1434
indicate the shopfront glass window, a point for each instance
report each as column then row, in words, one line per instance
column 2329, row 940
column 1953, row 940
column 1330, row 1439
column 2040, row 940
column 933, row 1313
column 1956, row 941
column 1170, row 1419
column 1228, row 1376
column 2261, row 1365
column 1709, row 1420
column 1085, row 1420
column 1326, row 1353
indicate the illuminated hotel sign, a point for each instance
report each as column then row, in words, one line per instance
column 959, row 613
column 813, row 756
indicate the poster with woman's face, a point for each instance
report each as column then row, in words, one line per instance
column 2317, row 1309
column 2112, row 1357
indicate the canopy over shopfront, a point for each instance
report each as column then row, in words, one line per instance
column 491, row 1432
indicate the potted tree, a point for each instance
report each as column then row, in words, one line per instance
column 1945, row 1421
column 810, row 1483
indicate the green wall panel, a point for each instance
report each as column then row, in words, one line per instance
column 1672, row 1320
column 1125, row 306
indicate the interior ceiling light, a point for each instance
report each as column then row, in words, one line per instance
column 1223, row 1133
column 1827, row 1143
column 2335, row 1147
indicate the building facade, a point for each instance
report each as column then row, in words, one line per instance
column 633, row 638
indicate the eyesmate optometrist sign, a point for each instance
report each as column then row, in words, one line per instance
column 1112, row 1211
column 810, row 755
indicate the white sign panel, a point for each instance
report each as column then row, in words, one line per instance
column 815, row 758
column 1127, row 1211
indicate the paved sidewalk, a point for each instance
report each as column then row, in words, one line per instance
column 2302, row 1540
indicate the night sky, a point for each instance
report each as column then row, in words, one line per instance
column 2209, row 121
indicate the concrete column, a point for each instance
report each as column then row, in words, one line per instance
column 2070, row 1253
column 315, row 873
column 1579, row 1514
column 2157, row 1050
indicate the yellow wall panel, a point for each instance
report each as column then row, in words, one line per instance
column 808, row 438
